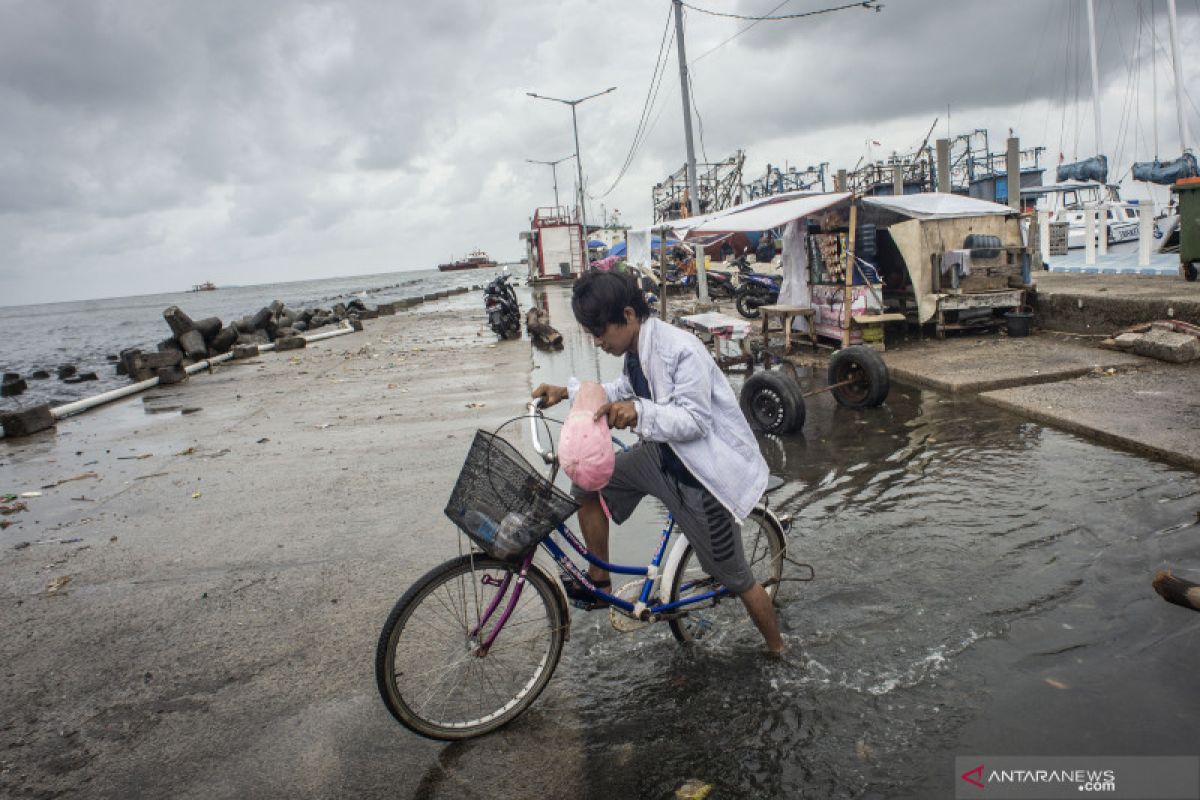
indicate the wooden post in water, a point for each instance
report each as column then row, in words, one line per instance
column 1177, row 590
column 897, row 180
column 848, row 294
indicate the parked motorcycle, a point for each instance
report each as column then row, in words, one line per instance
column 503, row 310
column 756, row 289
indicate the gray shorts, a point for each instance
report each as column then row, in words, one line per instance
column 709, row 527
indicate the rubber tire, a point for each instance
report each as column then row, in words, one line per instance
column 1188, row 271
column 772, row 403
column 682, row 628
column 740, row 300
column 873, row 382
column 536, row 581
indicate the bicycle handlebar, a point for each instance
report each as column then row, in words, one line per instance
column 535, row 414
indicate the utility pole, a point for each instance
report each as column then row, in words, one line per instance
column 554, row 169
column 578, row 161
column 693, row 194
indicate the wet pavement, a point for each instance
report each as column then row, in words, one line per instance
column 982, row 587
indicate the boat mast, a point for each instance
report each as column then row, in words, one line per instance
column 1091, row 15
column 1184, row 136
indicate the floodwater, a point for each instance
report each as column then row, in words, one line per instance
column 982, row 587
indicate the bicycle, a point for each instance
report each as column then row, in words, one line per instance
column 471, row 645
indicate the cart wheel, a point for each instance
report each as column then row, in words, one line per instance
column 868, row 375
column 772, row 403
column 1188, row 271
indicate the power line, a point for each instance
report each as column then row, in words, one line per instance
column 871, row 4
column 639, row 135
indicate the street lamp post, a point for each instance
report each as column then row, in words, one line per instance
column 554, row 170
column 575, row 128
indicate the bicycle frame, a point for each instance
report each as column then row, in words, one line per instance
column 652, row 572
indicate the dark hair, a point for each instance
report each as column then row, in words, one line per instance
column 602, row 297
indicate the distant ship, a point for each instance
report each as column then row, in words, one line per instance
column 207, row 286
column 477, row 260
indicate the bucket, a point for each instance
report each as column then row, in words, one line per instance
column 1019, row 322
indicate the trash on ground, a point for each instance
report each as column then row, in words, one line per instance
column 196, row 495
column 57, row 583
column 13, row 508
column 693, row 790
column 83, row 476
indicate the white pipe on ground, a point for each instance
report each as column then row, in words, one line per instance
column 125, row 391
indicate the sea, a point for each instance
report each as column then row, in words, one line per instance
column 90, row 333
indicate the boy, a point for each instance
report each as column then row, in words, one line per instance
column 697, row 455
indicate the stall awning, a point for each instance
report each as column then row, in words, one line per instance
column 768, row 216
column 937, row 205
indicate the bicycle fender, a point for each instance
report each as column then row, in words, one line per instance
column 674, row 558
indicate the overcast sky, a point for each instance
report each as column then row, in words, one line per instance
column 148, row 145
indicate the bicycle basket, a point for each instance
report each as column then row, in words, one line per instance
column 502, row 503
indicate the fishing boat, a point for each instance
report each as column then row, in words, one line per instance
column 1068, row 202
column 207, row 286
column 476, row 260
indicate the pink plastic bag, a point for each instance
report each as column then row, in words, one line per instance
column 585, row 447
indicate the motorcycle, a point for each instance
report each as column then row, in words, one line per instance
column 756, row 289
column 503, row 310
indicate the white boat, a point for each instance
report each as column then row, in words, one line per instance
column 1069, row 200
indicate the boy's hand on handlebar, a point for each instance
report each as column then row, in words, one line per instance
column 621, row 414
column 551, row 395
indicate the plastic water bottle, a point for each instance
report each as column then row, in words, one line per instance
column 510, row 537
column 481, row 524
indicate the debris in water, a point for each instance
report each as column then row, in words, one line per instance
column 693, row 790
column 195, row 495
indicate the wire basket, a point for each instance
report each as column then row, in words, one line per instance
column 502, row 502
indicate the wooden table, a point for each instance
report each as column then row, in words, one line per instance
column 786, row 314
column 722, row 327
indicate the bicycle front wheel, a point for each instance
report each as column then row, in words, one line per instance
column 763, row 546
column 434, row 674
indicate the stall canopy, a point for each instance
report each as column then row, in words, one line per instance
column 766, row 216
column 937, row 205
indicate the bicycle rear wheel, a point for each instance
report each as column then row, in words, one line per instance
column 764, row 547
column 428, row 665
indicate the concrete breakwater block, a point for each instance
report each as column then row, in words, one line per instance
column 241, row 351
column 224, row 339
column 386, row 309
column 66, row 371
column 291, row 343
column 356, row 324
column 172, row 374
column 178, row 321
column 209, row 328
column 368, row 313
column 26, row 421
column 193, row 345
column 12, row 385
column 39, row 375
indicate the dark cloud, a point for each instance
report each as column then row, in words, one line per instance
column 142, row 141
